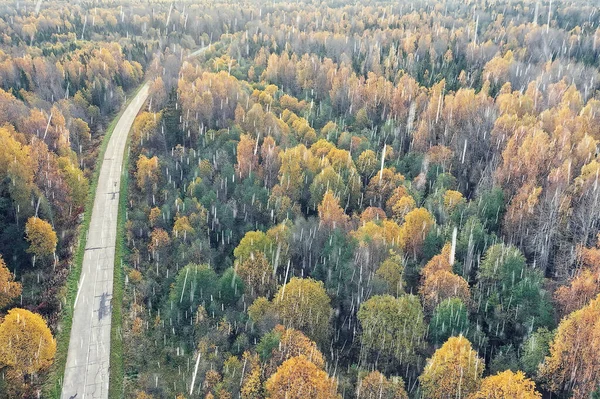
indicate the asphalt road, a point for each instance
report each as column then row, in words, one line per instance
column 87, row 368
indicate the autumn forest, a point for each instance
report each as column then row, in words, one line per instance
column 318, row 198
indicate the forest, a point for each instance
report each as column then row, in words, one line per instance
column 323, row 198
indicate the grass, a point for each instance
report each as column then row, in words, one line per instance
column 53, row 385
column 115, row 386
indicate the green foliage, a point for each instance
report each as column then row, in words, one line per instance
column 394, row 327
column 194, row 285
column 534, row 349
column 450, row 318
column 231, row 287
column 511, row 297
column 490, row 208
column 267, row 343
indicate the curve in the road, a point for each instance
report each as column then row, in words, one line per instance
column 87, row 368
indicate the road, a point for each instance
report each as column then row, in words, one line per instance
column 87, row 368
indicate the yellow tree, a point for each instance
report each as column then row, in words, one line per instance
column 299, row 378
column 253, row 243
column 390, row 273
column 507, row 385
column 417, row 224
column 454, row 371
column 42, row 238
column 293, row 343
column 252, row 387
column 303, row 304
column 257, row 274
column 9, row 289
column 331, row 214
column 377, row 386
column 574, row 358
column 27, row 345
column 147, row 173
column 159, row 240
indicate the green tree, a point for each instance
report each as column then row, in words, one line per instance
column 394, row 327
column 511, row 295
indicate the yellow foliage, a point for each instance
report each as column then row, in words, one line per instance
column 331, row 213
column 417, row 224
column 377, row 386
column 27, row 345
column 442, row 285
column 303, row 304
column 257, row 274
column 182, row 227
column 507, row 385
column 452, row 199
column 42, row 238
column 147, row 173
column 9, row 289
column 299, row 378
column 293, row 343
column 574, row 358
column 454, row 371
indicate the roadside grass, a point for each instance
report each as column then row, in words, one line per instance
column 117, row 373
column 53, row 384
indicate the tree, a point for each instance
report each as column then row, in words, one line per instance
column 290, row 343
column 534, row 350
column 42, row 238
column 331, row 214
column 76, row 181
column 194, row 285
column 257, row 274
column 230, row 287
column 9, row 289
column 253, row 243
column 299, row 378
column 17, row 165
column 381, row 186
column 417, row 224
column 507, row 385
column 27, row 343
column 303, row 304
column 450, row 318
column 328, row 180
column 510, row 295
column 159, row 241
column 584, row 286
column 454, row 370
column 247, row 157
column 390, row 274
column 147, row 174
column 377, row 386
column 574, row 358
column 442, row 285
column 394, row 327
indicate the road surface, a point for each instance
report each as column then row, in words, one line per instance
column 87, row 368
